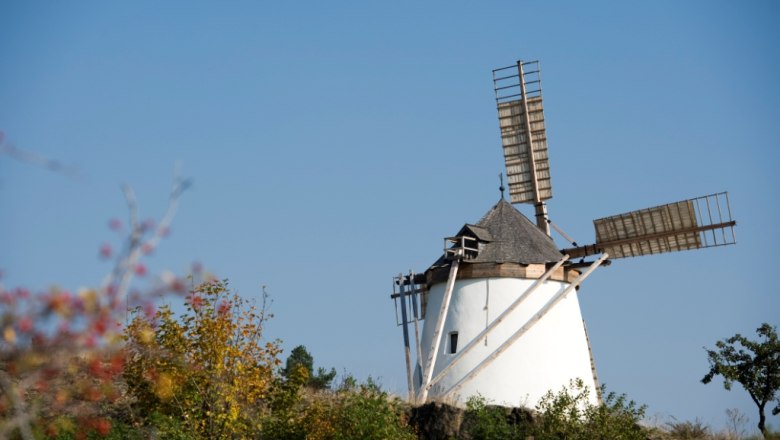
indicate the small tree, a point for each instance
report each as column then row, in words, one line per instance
column 300, row 357
column 210, row 368
column 754, row 364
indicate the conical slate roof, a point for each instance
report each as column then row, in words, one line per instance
column 507, row 236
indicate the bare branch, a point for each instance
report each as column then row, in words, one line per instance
column 124, row 270
column 39, row 161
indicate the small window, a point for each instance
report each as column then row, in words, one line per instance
column 453, row 342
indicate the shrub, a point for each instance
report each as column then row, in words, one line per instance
column 688, row 430
column 486, row 422
column 567, row 414
column 352, row 412
column 208, row 369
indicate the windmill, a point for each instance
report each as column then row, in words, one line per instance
column 500, row 310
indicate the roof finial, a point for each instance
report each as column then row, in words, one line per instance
column 501, row 188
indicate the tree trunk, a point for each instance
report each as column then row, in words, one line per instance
column 761, row 420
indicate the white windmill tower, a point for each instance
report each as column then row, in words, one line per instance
column 500, row 307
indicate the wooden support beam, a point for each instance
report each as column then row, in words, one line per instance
column 445, row 304
column 407, row 350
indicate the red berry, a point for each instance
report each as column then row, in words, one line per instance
column 25, row 324
column 105, row 251
column 22, row 293
column 196, row 302
column 115, row 224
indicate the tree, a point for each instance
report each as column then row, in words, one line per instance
column 209, row 368
column 299, row 356
column 753, row 364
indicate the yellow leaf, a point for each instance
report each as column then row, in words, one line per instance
column 89, row 299
column 163, row 387
column 146, row 335
column 9, row 335
column 61, row 397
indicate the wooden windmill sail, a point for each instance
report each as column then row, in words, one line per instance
column 688, row 224
column 523, row 135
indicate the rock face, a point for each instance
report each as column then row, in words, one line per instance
column 439, row 421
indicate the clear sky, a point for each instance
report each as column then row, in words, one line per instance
column 334, row 144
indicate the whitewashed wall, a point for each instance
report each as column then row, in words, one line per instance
column 547, row 357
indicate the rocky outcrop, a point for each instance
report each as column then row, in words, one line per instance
column 439, row 421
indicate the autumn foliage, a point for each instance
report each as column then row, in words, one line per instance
column 209, row 368
column 61, row 351
column 208, row 373
column 105, row 362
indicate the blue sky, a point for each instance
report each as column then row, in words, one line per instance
column 334, row 144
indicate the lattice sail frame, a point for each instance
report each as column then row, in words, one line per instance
column 520, row 113
column 696, row 223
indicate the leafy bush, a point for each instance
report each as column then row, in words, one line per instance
column 486, row 422
column 567, row 414
column 352, row 412
column 570, row 415
column 369, row 413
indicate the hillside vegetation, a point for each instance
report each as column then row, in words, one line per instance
column 210, row 374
